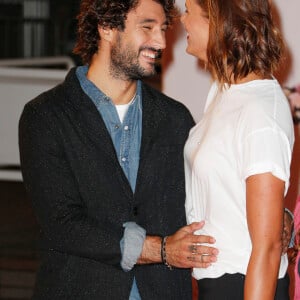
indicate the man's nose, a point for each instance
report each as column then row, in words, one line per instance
column 159, row 39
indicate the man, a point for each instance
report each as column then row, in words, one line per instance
column 102, row 160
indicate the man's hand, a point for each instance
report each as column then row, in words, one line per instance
column 287, row 231
column 184, row 249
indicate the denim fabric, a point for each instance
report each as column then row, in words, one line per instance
column 126, row 138
column 131, row 244
column 134, row 293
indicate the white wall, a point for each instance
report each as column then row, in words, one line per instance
column 288, row 20
column 183, row 79
column 17, row 88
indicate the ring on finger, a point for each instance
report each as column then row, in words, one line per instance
column 193, row 248
column 191, row 258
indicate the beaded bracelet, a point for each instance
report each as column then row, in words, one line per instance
column 163, row 253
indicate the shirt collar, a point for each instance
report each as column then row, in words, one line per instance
column 94, row 92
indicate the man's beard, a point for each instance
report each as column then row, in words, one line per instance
column 125, row 64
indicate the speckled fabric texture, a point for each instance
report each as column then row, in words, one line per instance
column 82, row 197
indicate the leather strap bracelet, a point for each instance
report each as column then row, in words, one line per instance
column 163, row 253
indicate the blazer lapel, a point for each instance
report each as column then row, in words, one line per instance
column 153, row 113
column 95, row 128
column 91, row 122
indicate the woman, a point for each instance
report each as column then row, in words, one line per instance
column 237, row 159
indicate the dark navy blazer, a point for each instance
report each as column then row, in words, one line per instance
column 82, row 197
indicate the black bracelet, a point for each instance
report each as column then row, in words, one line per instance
column 163, row 252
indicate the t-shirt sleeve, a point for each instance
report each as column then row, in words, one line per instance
column 267, row 150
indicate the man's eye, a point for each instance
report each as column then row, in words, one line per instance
column 147, row 27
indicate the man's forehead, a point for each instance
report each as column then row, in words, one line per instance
column 148, row 11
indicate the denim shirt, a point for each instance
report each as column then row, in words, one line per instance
column 126, row 138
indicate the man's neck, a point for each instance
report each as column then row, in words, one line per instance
column 118, row 90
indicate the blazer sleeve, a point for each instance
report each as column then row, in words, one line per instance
column 55, row 196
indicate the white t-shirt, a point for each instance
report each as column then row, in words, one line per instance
column 122, row 110
column 246, row 129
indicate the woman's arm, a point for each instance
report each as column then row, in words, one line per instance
column 264, row 197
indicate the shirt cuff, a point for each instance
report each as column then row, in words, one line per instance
column 131, row 244
column 292, row 241
column 289, row 212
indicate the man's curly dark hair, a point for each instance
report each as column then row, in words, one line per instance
column 108, row 13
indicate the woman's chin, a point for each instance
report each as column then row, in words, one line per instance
column 190, row 51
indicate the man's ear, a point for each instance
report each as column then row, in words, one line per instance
column 105, row 33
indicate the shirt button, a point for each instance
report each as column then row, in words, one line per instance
column 126, row 127
column 124, row 159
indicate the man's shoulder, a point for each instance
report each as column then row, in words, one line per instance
column 160, row 98
column 159, row 105
column 57, row 95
